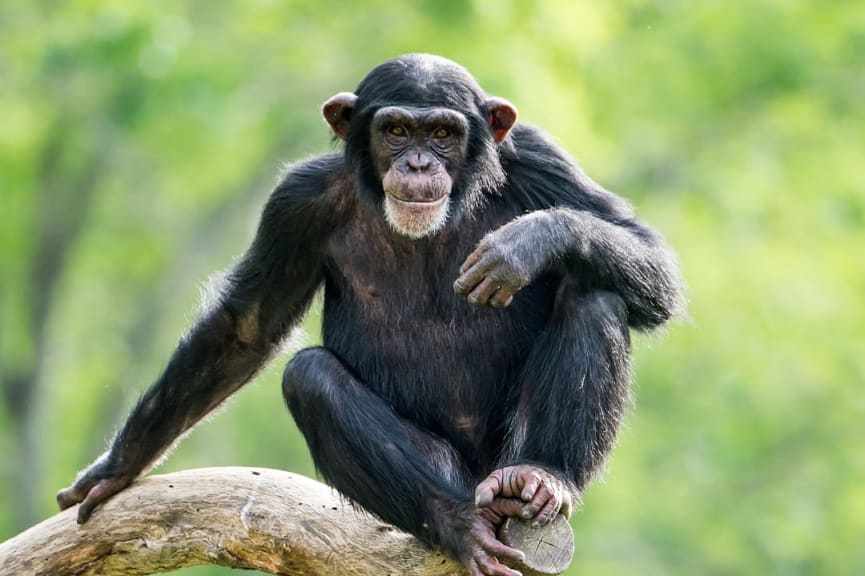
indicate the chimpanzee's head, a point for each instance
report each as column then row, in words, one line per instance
column 422, row 136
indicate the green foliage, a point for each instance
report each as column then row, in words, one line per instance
column 138, row 142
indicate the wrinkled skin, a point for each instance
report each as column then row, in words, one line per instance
column 502, row 264
column 526, row 492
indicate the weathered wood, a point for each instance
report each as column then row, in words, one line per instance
column 250, row 518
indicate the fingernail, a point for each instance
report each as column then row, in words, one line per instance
column 527, row 495
column 536, row 523
column 527, row 514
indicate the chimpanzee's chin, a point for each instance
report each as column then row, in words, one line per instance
column 416, row 219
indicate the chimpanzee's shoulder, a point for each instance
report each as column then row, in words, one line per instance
column 314, row 176
column 530, row 151
column 310, row 193
column 541, row 174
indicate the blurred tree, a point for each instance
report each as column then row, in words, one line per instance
column 138, row 141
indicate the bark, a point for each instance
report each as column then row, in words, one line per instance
column 248, row 518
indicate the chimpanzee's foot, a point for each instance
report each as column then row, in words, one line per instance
column 487, row 554
column 543, row 493
column 523, row 503
column 547, row 548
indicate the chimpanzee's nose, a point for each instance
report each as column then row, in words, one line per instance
column 418, row 162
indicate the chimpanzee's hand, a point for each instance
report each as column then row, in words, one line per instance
column 506, row 261
column 544, row 493
column 92, row 487
column 485, row 549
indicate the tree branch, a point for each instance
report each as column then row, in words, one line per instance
column 249, row 518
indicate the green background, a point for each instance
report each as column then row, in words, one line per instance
column 138, row 142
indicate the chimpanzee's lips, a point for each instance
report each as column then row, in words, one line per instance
column 419, row 203
column 416, row 218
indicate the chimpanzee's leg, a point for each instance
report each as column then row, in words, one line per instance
column 574, row 389
column 390, row 466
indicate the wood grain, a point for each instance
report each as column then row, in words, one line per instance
column 247, row 518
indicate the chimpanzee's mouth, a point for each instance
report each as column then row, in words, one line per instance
column 431, row 203
column 416, row 218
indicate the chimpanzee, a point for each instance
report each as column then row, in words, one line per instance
column 478, row 292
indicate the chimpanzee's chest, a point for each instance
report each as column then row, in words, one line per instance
column 392, row 315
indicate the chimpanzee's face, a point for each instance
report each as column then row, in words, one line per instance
column 422, row 136
column 417, row 153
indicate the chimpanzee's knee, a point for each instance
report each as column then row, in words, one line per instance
column 593, row 306
column 307, row 376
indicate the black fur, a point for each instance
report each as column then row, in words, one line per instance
column 416, row 394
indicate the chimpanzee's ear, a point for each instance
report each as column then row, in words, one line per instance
column 337, row 111
column 501, row 116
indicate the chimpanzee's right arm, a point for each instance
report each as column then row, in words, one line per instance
column 263, row 298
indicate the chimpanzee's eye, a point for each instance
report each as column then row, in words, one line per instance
column 441, row 133
column 396, row 130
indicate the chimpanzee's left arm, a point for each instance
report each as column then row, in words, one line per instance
column 577, row 228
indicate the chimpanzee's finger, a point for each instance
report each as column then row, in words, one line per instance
column 531, row 481
column 501, row 509
column 490, row 565
column 502, row 298
column 548, row 512
column 507, row 507
column 488, row 489
column 69, row 497
column 472, row 276
column 480, row 296
column 542, row 495
column 501, row 550
column 101, row 492
column 474, row 257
